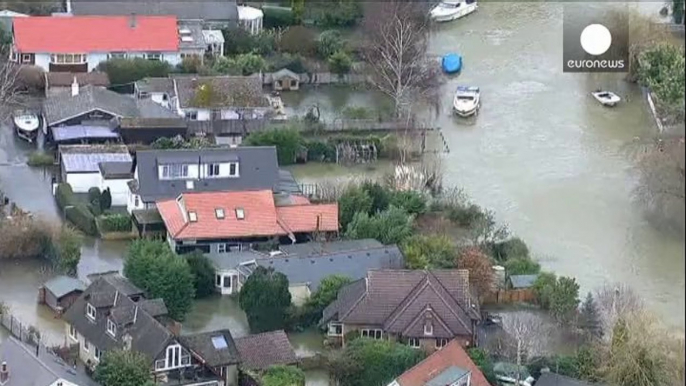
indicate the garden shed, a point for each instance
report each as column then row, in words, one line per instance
column 80, row 167
column 285, row 80
column 521, row 281
column 60, row 292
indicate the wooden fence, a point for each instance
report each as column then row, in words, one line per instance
column 24, row 332
column 510, row 296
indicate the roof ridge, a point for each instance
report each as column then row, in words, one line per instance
column 404, row 303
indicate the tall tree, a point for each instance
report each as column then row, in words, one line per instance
column 203, row 274
column 397, row 38
column 565, row 299
column 527, row 337
column 123, row 368
column 590, row 318
column 265, row 299
column 480, row 269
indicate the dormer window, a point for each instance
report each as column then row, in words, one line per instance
column 240, row 214
column 111, row 328
column 233, row 169
column 192, row 217
column 173, row 172
column 219, row 212
column 90, row 311
column 213, row 170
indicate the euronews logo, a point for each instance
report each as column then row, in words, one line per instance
column 595, row 45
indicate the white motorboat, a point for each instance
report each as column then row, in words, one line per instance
column 449, row 10
column 467, row 101
column 606, row 98
column 26, row 124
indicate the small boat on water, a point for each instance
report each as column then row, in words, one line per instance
column 467, row 101
column 449, row 10
column 606, row 98
column 451, row 63
column 26, row 124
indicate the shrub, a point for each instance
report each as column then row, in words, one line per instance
column 250, row 64
column 122, row 71
column 64, row 195
column 543, row 288
column 343, row 14
column 123, row 368
column 662, row 69
column 424, row 252
column 340, row 63
column 39, row 158
column 115, row 223
column 353, row 200
column 225, row 66
column 68, row 250
column 283, row 376
column 465, row 215
column 320, row 151
column 352, row 112
column 325, row 295
column 106, row 199
column 412, row 201
column 298, row 40
column 288, row 143
column 510, row 249
column 239, row 41
column 391, row 226
column 521, row 266
column 329, row 42
column 30, row 78
column 190, row 65
column 203, row 274
column 292, row 62
column 82, row 217
column 265, row 299
column 276, row 17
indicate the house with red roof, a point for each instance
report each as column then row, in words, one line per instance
column 81, row 43
column 449, row 366
column 224, row 221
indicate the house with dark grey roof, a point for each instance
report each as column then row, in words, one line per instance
column 60, row 82
column 260, row 351
column 60, row 292
column 305, row 264
column 113, row 314
column 423, row 309
column 22, row 365
column 213, row 13
column 101, row 166
column 166, row 174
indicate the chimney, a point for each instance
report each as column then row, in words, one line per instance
column 4, row 373
column 74, row 88
column 127, row 342
column 132, row 21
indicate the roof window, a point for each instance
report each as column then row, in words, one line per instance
column 240, row 214
column 192, row 217
column 219, row 212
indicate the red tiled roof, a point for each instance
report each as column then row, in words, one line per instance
column 261, row 216
column 451, row 355
column 84, row 34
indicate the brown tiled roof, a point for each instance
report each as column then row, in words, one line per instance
column 220, row 91
column 65, row 79
column 451, row 355
column 260, row 351
column 398, row 300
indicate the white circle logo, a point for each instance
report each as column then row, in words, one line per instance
column 596, row 39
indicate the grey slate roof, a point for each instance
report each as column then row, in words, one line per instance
column 64, row 285
column 147, row 334
column 522, row 281
column 228, row 91
column 258, row 170
column 155, row 123
column 311, row 269
column 208, row 10
column 61, row 106
column 449, row 376
column 195, row 28
column 65, row 79
column 156, row 85
column 260, row 351
column 318, row 248
column 154, row 307
column 68, row 133
column 119, row 282
column 116, row 170
column 216, row 348
column 227, row 261
column 87, row 158
column 397, row 299
column 28, row 369
column 552, row 379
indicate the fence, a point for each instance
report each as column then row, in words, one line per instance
column 24, row 332
column 510, row 296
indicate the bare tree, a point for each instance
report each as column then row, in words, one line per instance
column 397, row 39
column 527, row 336
column 615, row 301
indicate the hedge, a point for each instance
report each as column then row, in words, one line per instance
column 275, row 17
column 64, row 195
column 115, row 223
column 82, row 218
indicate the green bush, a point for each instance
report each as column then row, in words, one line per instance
column 239, row 41
column 353, row 200
column 115, row 223
column 413, row 202
column 94, row 194
column 465, row 215
column 429, row 252
column 329, row 42
column 64, row 195
column 123, row 71
column 510, row 249
column 391, row 226
column 292, row 62
column 203, row 274
column 340, row 63
column 106, row 199
column 521, row 266
column 190, row 65
column 39, row 158
column 342, row 14
column 250, row 64
column 320, row 151
column 277, row 17
column 283, row 376
column 662, row 69
column 82, row 218
column 288, row 143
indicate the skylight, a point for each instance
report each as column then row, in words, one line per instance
column 240, row 213
column 192, row 216
column 219, row 212
column 184, row 31
column 186, row 39
column 219, row 342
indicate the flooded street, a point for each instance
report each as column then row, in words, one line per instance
column 548, row 159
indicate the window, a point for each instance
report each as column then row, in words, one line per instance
column 217, row 280
column 219, row 212
column 240, row 213
column 117, row 55
column 213, row 170
column 441, row 342
column 413, row 342
column 192, row 115
column 159, row 364
column 26, row 58
column 173, row 356
column 227, row 281
column 190, row 185
column 136, row 201
column 233, row 169
column 97, row 353
column 170, row 172
column 68, row 58
column 90, row 311
column 111, row 328
column 374, row 334
column 14, row 56
column 335, row 329
column 294, row 83
column 192, row 217
column 72, row 333
column 428, row 329
column 153, row 56
column 221, row 248
column 86, row 346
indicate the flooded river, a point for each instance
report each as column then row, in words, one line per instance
column 542, row 154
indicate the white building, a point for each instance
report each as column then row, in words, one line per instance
column 250, row 19
column 81, row 43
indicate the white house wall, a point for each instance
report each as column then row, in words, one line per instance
column 95, row 58
column 81, row 182
column 119, row 189
column 42, row 61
